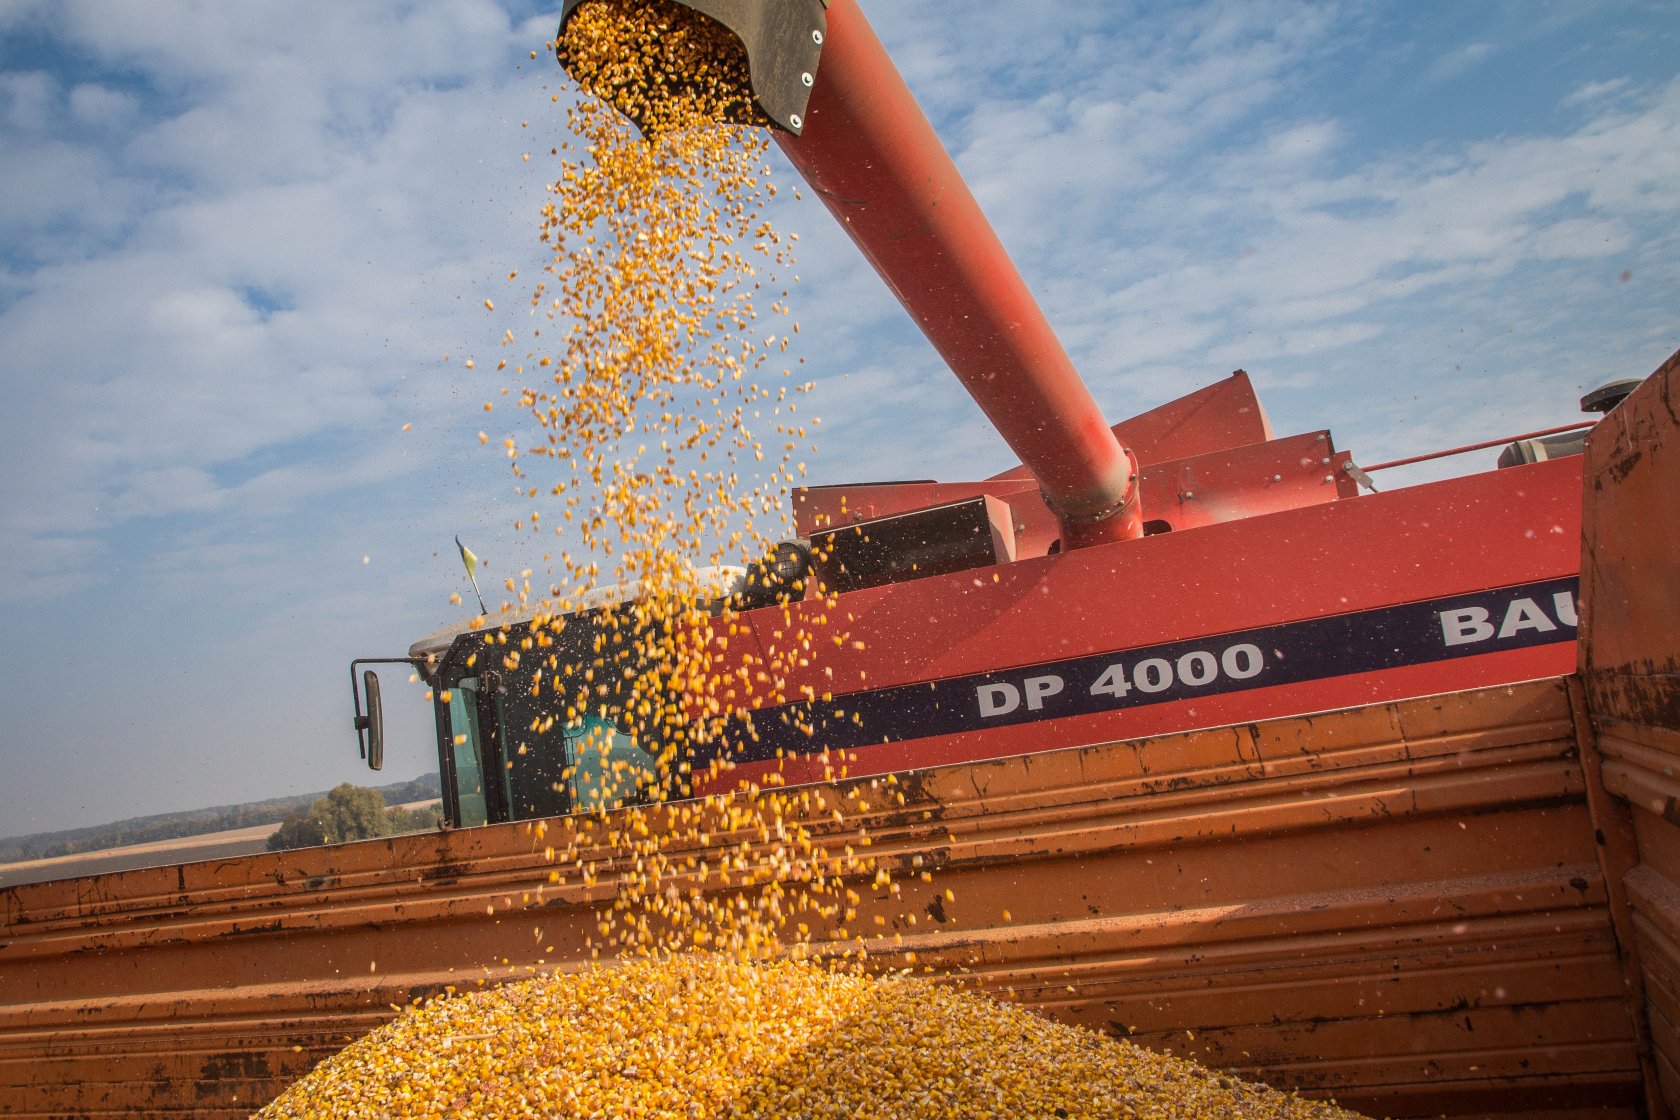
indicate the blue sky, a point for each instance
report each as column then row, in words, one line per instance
column 238, row 241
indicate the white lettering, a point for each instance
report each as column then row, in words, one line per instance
column 998, row 699
column 1464, row 626
column 1112, row 682
column 1564, row 603
column 1041, row 688
column 1524, row 614
column 1153, row 675
column 1197, row 667
column 1242, row 662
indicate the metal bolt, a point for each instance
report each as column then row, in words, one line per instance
column 1277, row 478
column 1320, row 437
column 1324, row 462
column 1188, row 494
column 816, row 37
column 1329, row 478
column 807, row 79
column 795, row 120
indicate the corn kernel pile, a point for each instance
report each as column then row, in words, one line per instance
column 698, row 1038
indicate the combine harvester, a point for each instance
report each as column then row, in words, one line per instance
column 1367, row 794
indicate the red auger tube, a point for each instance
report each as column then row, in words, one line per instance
column 868, row 151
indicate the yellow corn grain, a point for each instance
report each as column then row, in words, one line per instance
column 709, row 1038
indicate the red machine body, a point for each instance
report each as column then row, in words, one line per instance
column 1185, row 568
column 1331, row 600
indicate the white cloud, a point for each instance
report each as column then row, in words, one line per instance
column 239, row 238
column 1581, row 238
column 27, row 99
column 100, row 106
column 247, row 272
column 1459, row 61
column 1301, row 145
column 1595, row 91
column 1295, row 342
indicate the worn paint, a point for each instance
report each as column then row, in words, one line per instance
column 1630, row 669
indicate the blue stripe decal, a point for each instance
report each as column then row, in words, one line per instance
column 1517, row 617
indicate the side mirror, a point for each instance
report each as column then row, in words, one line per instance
column 376, row 721
column 370, row 729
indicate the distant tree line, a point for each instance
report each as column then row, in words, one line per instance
column 194, row 822
column 348, row 812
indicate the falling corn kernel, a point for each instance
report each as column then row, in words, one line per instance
column 650, row 371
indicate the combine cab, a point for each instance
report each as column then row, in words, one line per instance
column 1366, row 794
column 1265, row 586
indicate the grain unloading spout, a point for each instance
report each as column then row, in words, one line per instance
column 851, row 127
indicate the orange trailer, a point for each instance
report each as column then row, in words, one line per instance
column 1464, row 903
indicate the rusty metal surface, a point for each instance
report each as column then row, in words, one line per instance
column 1632, row 553
column 1400, row 905
column 1630, row 667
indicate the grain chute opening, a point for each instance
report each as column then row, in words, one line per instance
column 661, row 64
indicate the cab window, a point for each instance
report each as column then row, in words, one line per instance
column 469, row 771
column 608, row 768
column 533, row 752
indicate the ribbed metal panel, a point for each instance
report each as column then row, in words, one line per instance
column 1400, row 905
